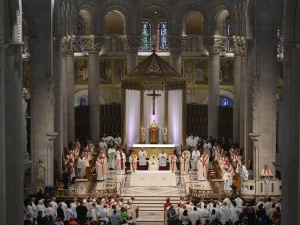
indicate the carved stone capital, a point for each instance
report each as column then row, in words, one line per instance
column 67, row 46
column 176, row 42
column 131, row 43
column 214, row 44
column 99, row 42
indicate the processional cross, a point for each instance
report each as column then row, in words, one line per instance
column 153, row 96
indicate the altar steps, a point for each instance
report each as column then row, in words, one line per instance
column 151, row 208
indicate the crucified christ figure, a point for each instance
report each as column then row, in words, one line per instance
column 153, row 96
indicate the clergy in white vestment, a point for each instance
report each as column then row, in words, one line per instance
column 244, row 172
column 153, row 163
column 162, row 160
column 227, row 181
column 29, row 210
column 110, row 141
column 207, row 146
column 224, row 213
column 101, row 166
column 90, row 147
column 235, row 212
column 142, row 160
column 41, row 207
column 130, row 210
column 194, row 215
column 111, row 153
column 184, row 163
column 195, row 158
column 187, row 152
column 203, row 164
column 81, row 165
column 172, row 162
column 133, row 162
column 103, row 146
column 121, row 159
column 117, row 141
column 205, row 214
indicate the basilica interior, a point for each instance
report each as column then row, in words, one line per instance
column 81, row 69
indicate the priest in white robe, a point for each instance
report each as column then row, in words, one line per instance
column 153, row 162
column 184, row 163
column 101, row 167
column 162, row 160
column 244, row 172
column 172, row 162
column 224, row 213
column 111, row 153
column 133, row 162
column 81, row 166
column 121, row 159
column 142, row 160
column 227, row 181
column 195, row 158
column 103, row 146
column 203, row 164
column 117, row 141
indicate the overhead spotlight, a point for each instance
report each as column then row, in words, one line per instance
column 155, row 12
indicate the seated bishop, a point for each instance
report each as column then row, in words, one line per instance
column 153, row 163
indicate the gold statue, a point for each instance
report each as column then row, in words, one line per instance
column 165, row 132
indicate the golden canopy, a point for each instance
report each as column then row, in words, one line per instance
column 154, row 74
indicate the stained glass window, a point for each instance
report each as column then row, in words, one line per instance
column 278, row 39
column 228, row 33
column 161, row 39
column 225, row 102
column 83, row 102
column 146, row 34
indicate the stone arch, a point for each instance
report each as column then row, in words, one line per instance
column 85, row 16
column 32, row 27
column 250, row 19
column 223, row 92
column 100, row 29
column 181, row 17
column 115, row 22
column 12, row 25
column 154, row 14
column 277, row 20
column 193, row 23
column 221, row 17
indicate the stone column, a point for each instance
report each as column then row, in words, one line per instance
column 59, row 110
column 70, row 97
column 290, row 155
column 247, row 116
column 236, row 91
column 264, row 102
column 242, row 93
column 94, row 49
column 93, row 90
column 131, row 44
column 214, row 45
column 12, row 112
column 3, row 199
column 175, row 44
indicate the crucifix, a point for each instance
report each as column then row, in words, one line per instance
column 153, row 96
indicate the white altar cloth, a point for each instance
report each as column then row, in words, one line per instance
column 153, row 178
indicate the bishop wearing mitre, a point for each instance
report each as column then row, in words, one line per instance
column 133, row 161
column 121, row 159
column 184, row 163
column 101, row 166
column 172, row 162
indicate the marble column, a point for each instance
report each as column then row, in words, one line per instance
column 175, row 45
column 70, row 97
column 236, row 91
column 214, row 45
column 184, row 109
column 131, row 44
column 13, row 113
column 93, row 95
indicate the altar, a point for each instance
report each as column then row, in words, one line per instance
column 154, row 148
column 146, row 178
